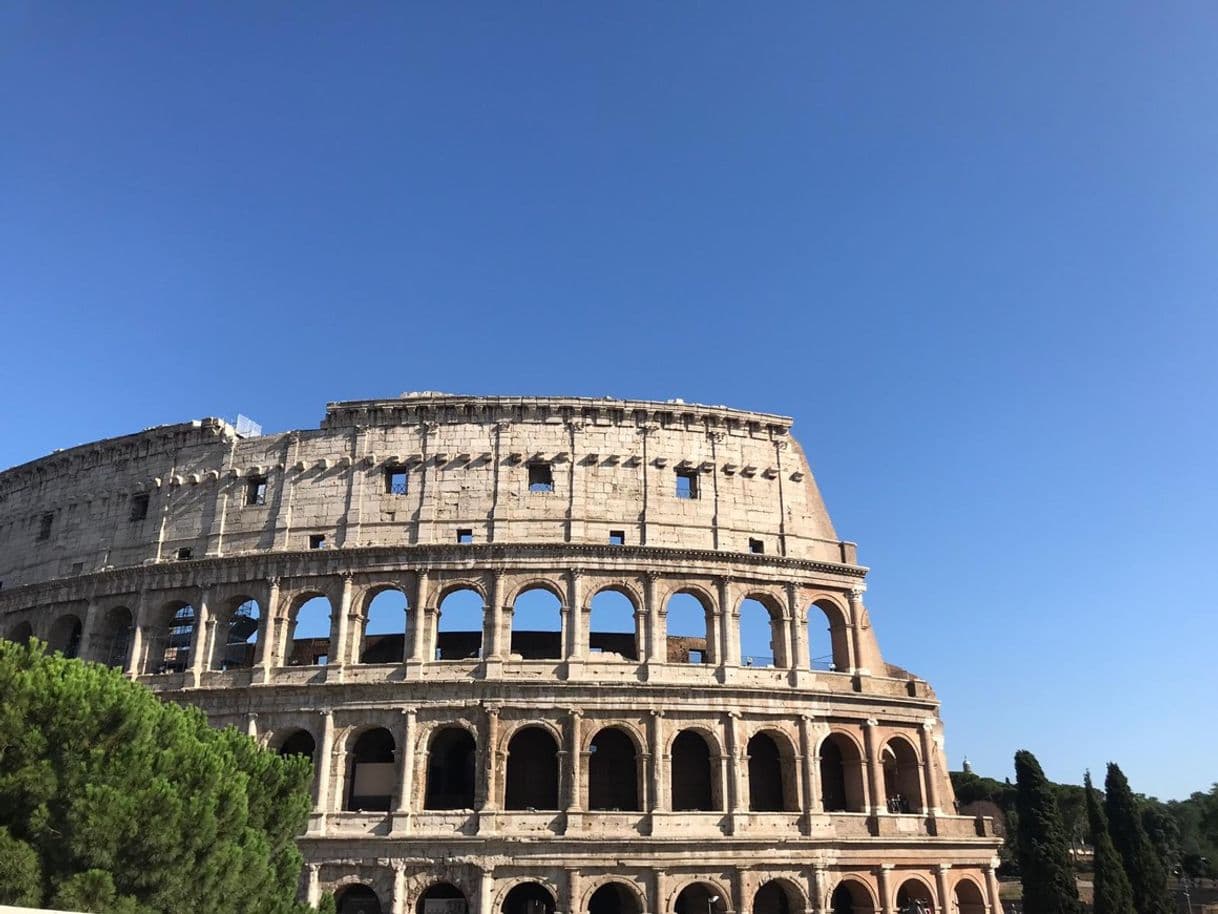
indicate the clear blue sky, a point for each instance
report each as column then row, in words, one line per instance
column 970, row 247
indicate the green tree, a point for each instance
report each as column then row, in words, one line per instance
column 130, row 805
column 1147, row 873
column 1112, row 892
column 1044, row 847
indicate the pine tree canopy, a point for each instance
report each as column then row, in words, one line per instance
column 1112, row 892
column 113, row 801
column 1044, row 849
column 1147, row 873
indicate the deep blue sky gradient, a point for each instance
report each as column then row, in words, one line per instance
column 970, row 247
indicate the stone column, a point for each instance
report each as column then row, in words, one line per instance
column 659, row 793
column 574, row 735
column 799, row 630
column 202, row 636
column 339, row 634
column 321, row 790
column 486, row 889
column 417, row 642
column 490, row 802
column 399, row 905
column 405, row 772
column 875, row 770
column 498, row 645
column 809, row 771
column 135, row 651
column 885, row 889
column 930, row 776
column 251, row 725
column 945, row 899
column 819, row 890
column 576, row 635
column 857, row 612
column 991, row 886
column 87, row 631
column 313, row 892
column 266, row 649
column 729, row 635
column 658, row 901
column 735, row 789
column 657, row 622
column 573, row 890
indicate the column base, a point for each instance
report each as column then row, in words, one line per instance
column 317, row 824
column 401, row 823
column 335, row 672
column 574, row 821
column 492, row 668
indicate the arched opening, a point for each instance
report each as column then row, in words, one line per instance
column 528, row 898
column 613, row 778
column 969, row 899
column 357, row 899
column 611, row 627
column 700, row 898
column 442, row 898
column 841, row 774
column 914, row 897
column 451, row 763
column 241, row 635
column 693, row 781
column 536, row 625
column 769, row 790
column 384, row 636
column 775, row 898
column 688, row 637
column 21, row 633
column 372, row 772
column 459, row 629
column 114, row 641
column 177, row 641
column 65, row 635
column 761, row 641
column 902, row 777
column 310, row 644
column 532, row 770
column 298, row 742
column 614, row 898
column 828, row 647
column 851, row 897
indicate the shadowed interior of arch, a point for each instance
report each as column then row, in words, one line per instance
column 532, row 770
column 115, row 637
column 773, row 898
column 969, row 899
column 850, row 897
column 176, row 640
column 459, row 632
column 536, row 625
column 442, row 898
column 613, row 782
column 902, row 777
column 694, row 785
column 688, row 635
column 384, row 636
column 451, row 761
column 841, row 775
column 240, row 636
column 613, row 898
column 770, row 780
column 700, row 898
column 914, row 896
column 357, row 899
column 372, row 772
column 65, row 635
column 611, row 625
column 528, row 898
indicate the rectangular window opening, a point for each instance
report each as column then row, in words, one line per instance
column 44, row 526
column 139, row 507
column 396, row 481
column 687, row 483
column 541, row 477
column 695, row 656
column 255, row 491
column 317, row 541
column 78, row 568
column 617, row 537
column 185, row 553
column 465, row 536
column 757, row 547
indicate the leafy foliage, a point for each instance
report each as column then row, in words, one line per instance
column 1112, row 892
column 129, row 805
column 1147, row 874
column 1044, row 849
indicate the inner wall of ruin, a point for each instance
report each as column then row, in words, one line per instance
column 639, row 769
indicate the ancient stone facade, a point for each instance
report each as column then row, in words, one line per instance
column 634, row 766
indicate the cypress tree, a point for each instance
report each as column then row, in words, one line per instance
column 1044, row 850
column 1112, row 892
column 1146, row 872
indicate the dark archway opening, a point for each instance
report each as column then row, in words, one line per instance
column 372, row 772
column 913, row 897
column 532, row 771
column 692, row 781
column 969, row 899
column 358, row 899
column 178, row 640
column 902, row 777
column 442, row 898
column 612, row 772
column 450, row 770
column 850, row 898
column 771, row 898
column 613, row 898
column 765, row 775
column 242, row 636
column 841, row 775
column 700, row 898
column 65, row 636
column 116, row 638
column 299, row 743
column 528, row 898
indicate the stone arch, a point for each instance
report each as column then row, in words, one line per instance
column 773, row 776
column 452, row 762
column 537, row 583
column 852, row 895
column 612, row 895
column 841, row 761
column 21, row 633
column 689, row 629
column 371, row 770
column 528, row 897
column 902, row 776
column 695, row 897
column 447, row 588
column 357, row 898
column 915, row 895
column 537, row 623
column 310, row 619
column 239, row 627
column 763, row 634
column 174, row 637
column 531, row 780
column 437, row 891
column 65, row 635
column 613, row 622
column 695, row 782
column 461, row 609
column 834, row 652
column 295, row 741
column 779, row 896
column 970, row 898
column 384, row 621
column 112, row 646
column 614, row 760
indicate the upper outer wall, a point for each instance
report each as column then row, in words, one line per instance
column 613, row 463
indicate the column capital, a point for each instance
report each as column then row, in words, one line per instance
column 871, row 722
column 410, row 714
column 887, row 867
column 657, row 713
column 943, row 868
column 856, row 593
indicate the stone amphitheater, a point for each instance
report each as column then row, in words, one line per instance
column 508, row 632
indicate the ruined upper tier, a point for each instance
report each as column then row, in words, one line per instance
column 421, row 469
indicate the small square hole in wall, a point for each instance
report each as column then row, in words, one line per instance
column 317, row 541
column 687, row 483
column 321, row 659
column 185, row 553
column 617, row 537
column 44, row 526
column 757, row 547
column 696, row 657
column 255, row 490
column 78, row 567
column 541, row 477
column 465, row 536
column 139, row 507
column 396, row 481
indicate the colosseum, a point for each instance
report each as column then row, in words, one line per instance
column 514, row 636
